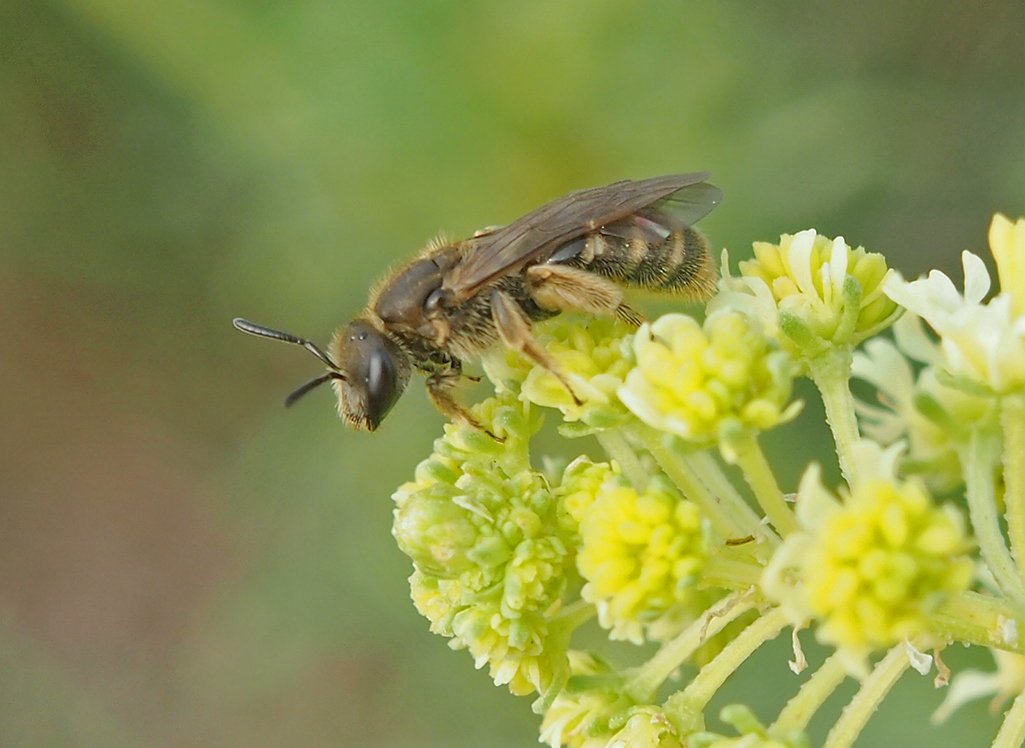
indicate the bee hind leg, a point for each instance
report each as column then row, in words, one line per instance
column 563, row 288
column 514, row 328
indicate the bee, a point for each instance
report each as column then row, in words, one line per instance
column 455, row 299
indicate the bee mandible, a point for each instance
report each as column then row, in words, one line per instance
column 457, row 298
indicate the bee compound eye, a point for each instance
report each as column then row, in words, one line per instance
column 382, row 385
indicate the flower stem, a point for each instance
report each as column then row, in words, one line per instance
column 618, row 448
column 725, row 570
column 831, row 372
column 819, row 687
column 684, row 708
column 1012, row 731
column 758, row 474
column 972, row 618
column 573, row 616
column 1012, row 416
column 873, row 690
column 979, row 459
column 647, row 679
column 709, row 471
column 729, row 520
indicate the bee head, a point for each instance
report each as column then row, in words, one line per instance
column 368, row 370
column 375, row 371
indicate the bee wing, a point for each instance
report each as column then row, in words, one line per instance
column 684, row 197
column 656, row 222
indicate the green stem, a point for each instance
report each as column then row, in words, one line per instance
column 573, row 616
column 972, row 618
column 873, row 690
column 758, row 474
column 729, row 513
column 1012, row 417
column 725, row 570
column 1012, row 731
column 979, row 459
column 730, row 518
column 560, row 631
column 647, row 679
column 707, row 470
column 618, row 448
column 831, row 372
column 802, row 707
column 685, row 708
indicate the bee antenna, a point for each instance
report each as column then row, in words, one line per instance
column 266, row 332
column 311, row 385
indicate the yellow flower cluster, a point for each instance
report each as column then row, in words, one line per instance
column 806, row 274
column 641, row 554
column 880, row 563
column 490, row 547
column 982, row 341
column 700, row 383
column 590, row 352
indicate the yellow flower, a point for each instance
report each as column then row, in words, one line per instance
column 702, row 383
column 983, row 344
column 640, row 554
column 872, row 568
column 590, row 353
column 813, row 289
column 490, row 547
column 1007, row 243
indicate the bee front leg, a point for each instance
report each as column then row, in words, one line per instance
column 563, row 288
column 514, row 328
column 439, row 389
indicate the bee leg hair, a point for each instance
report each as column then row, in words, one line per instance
column 564, row 288
column 514, row 329
column 439, row 389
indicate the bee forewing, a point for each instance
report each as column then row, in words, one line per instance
column 550, row 226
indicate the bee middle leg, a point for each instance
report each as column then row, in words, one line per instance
column 439, row 389
column 563, row 288
column 514, row 328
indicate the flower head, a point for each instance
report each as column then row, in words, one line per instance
column 935, row 418
column 592, row 354
column 870, row 568
column 814, row 290
column 641, row 554
column 701, row 383
column 489, row 547
column 983, row 345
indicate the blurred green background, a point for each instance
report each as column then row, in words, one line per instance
column 182, row 561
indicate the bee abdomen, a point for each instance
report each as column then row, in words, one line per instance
column 680, row 264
